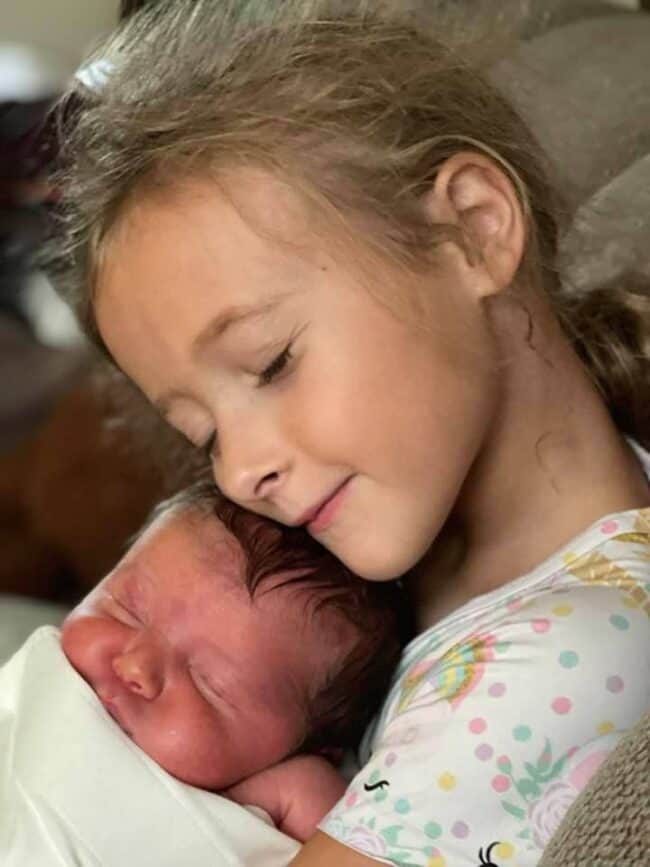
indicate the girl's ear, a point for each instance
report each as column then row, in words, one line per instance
column 473, row 193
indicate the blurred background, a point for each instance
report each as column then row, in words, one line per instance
column 60, row 30
column 72, row 491
column 71, row 494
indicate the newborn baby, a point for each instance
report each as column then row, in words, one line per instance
column 238, row 654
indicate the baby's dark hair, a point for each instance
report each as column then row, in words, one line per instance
column 339, row 711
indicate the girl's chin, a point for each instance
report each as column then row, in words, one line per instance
column 392, row 565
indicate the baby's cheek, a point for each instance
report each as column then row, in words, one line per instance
column 87, row 643
column 186, row 742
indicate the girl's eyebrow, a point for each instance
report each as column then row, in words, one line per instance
column 234, row 315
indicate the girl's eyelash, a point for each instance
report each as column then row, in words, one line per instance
column 276, row 367
column 273, row 370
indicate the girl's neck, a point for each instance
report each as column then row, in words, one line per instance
column 552, row 464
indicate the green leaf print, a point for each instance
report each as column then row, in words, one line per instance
column 517, row 812
column 401, row 858
column 532, row 771
column 527, row 787
column 545, row 757
column 557, row 768
column 391, row 833
column 530, row 787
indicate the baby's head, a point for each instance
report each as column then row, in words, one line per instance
column 222, row 643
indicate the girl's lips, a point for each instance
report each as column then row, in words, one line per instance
column 328, row 511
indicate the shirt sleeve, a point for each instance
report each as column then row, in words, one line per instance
column 486, row 742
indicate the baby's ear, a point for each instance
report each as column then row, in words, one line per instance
column 472, row 192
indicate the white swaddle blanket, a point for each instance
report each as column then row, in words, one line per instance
column 74, row 790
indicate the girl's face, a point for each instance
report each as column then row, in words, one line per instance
column 318, row 405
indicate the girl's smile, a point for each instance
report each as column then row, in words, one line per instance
column 320, row 518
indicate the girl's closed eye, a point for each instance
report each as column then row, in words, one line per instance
column 273, row 371
column 280, row 364
column 277, row 366
column 266, row 377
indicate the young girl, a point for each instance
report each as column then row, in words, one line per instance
column 323, row 246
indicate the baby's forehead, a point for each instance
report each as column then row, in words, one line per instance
column 188, row 540
column 194, row 539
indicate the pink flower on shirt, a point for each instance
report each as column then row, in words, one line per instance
column 366, row 840
column 546, row 814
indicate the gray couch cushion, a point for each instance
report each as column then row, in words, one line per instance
column 539, row 16
column 611, row 232
column 585, row 90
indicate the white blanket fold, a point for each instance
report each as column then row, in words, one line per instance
column 76, row 792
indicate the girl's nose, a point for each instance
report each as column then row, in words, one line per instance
column 250, row 469
column 140, row 670
column 245, row 485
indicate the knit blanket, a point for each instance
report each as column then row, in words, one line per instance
column 608, row 825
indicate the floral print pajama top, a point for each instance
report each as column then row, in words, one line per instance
column 499, row 714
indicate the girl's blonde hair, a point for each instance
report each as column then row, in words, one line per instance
column 357, row 109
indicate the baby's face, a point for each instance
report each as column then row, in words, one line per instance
column 207, row 682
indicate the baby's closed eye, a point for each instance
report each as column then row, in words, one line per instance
column 206, row 687
column 121, row 611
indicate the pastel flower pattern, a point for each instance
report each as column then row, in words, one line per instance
column 501, row 713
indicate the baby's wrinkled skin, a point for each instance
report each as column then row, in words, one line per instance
column 209, row 683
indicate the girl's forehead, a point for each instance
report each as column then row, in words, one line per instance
column 176, row 264
column 237, row 239
column 253, row 204
column 180, row 258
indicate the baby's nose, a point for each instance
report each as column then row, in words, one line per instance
column 139, row 671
